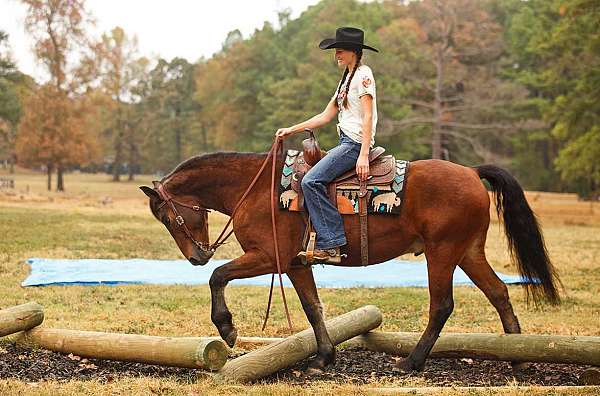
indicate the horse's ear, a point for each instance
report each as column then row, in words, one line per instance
column 150, row 192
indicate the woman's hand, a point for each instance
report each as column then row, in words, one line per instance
column 362, row 167
column 284, row 132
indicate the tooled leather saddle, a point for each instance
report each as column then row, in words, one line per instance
column 381, row 193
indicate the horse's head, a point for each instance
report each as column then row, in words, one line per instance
column 187, row 223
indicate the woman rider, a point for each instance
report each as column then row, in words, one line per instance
column 354, row 102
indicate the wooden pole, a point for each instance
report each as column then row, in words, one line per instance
column 19, row 318
column 509, row 347
column 190, row 352
column 283, row 353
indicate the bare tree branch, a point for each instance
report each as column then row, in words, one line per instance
column 421, row 103
column 476, row 126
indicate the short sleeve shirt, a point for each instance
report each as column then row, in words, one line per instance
column 350, row 119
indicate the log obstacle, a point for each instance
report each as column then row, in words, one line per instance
column 512, row 347
column 287, row 351
column 189, row 352
column 21, row 317
column 509, row 347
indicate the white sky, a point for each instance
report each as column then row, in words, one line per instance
column 166, row 28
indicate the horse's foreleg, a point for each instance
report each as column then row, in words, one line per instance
column 441, row 261
column 304, row 283
column 253, row 263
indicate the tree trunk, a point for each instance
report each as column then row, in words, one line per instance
column 178, row 133
column 118, row 158
column 436, row 138
column 132, row 160
column 49, row 173
column 60, row 183
column 118, row 145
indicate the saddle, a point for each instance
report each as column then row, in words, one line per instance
column 381, row 193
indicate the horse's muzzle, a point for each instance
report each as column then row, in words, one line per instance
column 200, row 257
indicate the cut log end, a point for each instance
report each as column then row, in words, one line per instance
column 590, row 376
column 214, row 354
column 21, row 317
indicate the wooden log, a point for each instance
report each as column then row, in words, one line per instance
column 190, row 352
column 509, row 347
column 283, row 353
column 19, row 318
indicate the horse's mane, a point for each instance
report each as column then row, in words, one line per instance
column 209, row 158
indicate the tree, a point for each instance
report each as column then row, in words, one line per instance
column 58, row 29
column 10, row 103
column 53, row 132
column 554, row 47
column 171, row 121
column 447, row 82
column 119, row 68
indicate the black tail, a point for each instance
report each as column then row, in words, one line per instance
column 525, row 240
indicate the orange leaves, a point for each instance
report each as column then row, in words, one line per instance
column 54, row 130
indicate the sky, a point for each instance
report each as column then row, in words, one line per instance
column 165, row 28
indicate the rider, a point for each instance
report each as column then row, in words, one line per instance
column 354, row 101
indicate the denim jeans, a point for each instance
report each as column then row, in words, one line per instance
column 324, row 216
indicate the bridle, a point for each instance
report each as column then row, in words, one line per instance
column 205, row 247
column 209, row 249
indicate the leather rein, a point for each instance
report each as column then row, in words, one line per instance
column 209, row 249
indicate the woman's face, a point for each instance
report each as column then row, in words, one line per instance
column 344, row 57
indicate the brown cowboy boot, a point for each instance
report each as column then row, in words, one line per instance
column 321, row 256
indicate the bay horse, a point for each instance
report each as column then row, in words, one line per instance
column 445, row 215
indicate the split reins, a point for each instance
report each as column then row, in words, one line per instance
column 209, row 249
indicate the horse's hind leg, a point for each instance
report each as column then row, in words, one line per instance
column 476, row 266
column 441, row 261
column 304, row 283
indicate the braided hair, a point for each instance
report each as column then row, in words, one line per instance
column 347, row 89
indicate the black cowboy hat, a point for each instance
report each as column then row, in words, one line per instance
column 346, row 38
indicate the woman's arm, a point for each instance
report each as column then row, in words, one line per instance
column 362, row 164
column 315, row 122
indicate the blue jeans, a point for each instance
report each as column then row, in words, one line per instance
column 324, row 216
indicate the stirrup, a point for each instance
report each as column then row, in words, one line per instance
column 326, row 256
column 307, row 256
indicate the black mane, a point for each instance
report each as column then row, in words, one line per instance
column 204, row 159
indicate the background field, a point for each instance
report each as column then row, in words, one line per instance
column 96, row 218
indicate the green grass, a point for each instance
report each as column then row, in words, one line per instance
column 34, row 223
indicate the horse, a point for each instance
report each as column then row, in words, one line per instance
column 445, row 215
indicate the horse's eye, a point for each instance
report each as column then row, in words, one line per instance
column 166, row 221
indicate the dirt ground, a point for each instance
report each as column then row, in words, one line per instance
column 353, row 366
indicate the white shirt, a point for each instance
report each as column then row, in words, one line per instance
column 350, row 119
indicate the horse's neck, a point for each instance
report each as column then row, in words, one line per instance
column 218, row 184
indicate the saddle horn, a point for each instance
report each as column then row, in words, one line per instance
column 310, row 146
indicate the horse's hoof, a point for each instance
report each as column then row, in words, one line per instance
column 313, row 371
column 407, row 366
column 231, row 337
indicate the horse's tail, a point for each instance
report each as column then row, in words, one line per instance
column 525, row 240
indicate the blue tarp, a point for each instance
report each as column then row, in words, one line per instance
column 393, row 273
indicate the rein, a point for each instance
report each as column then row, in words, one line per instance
column 209, row 249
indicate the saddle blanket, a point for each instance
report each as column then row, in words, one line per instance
column 382, row 199
column 96, row 272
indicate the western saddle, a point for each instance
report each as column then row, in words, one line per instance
column 382, row 170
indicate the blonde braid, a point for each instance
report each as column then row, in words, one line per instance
column 359, row 57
